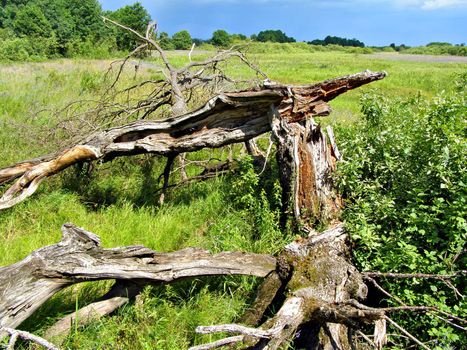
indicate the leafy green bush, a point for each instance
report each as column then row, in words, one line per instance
column 405, row 182
column 91, row 49
column 258, row 198
column 14, row 49
column 437, row 49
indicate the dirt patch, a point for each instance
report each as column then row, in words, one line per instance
column 394, row 56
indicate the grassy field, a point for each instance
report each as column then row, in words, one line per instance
column 119, row 202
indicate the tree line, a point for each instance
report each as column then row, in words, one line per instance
column 52, row 28
column 38, row 29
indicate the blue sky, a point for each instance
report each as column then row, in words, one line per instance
column 375, row 22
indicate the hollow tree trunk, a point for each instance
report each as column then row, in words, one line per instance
column 306, row 162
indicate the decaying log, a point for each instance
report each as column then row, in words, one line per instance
column 26, row 285
column 225, row 119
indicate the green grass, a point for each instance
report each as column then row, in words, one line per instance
column 119, row 201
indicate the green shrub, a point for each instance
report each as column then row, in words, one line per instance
column 14, row 49
column 438, row 50
column 90, row 48
column 27, row 49
column 405, row 182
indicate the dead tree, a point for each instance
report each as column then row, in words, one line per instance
column 225, row 119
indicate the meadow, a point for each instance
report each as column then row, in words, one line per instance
column 118, row 200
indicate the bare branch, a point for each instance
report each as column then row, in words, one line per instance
column 219, row 343
column 15, row 334
column 414, row 275
column 407, row 333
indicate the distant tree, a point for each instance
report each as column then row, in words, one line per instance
column 275, row 36
column 87, row 19
column 317, row 42
column 198, row 41
column 437, row 43
column 31, row 22
column 58, row 13
column 238, row 37
column 336, row 40
column 254, row 37
column 182, row 40
column 165, row 42
column 221, row 38
column 134, row 16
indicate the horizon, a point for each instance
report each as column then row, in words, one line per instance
column 375, row 22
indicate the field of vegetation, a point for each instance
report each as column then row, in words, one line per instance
column 403, row 175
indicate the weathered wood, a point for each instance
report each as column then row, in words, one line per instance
column 225, row 119
column 15, row 334
column 306, row 163
column 85, row 315
column 26, row 285
column 318, row 294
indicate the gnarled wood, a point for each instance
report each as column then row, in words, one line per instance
column 225, row 119
column 319, row 292
column 26, row 285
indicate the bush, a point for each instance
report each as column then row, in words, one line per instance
column 436, row 49
column 221, row 38
column 14, row 49
column 405, row 182
column 182, row 40
column 26, row 49
column 90, row 49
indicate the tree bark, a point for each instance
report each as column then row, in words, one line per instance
column 306, row 164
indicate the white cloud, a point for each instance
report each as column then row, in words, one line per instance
column 421, row 4
column 431, row 4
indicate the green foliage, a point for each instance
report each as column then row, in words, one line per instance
column 259, row 199
column 182, row 40
column 221, row 38
column 34, row 49
column 439, row 49
column 274, row 36
column 165, row 41
column 335, row 40
column 31, row 22
column 133, row 16
column 65, row 28
column 405, row 181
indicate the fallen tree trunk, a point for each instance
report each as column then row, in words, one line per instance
column 225, row 119
column 27, row 284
